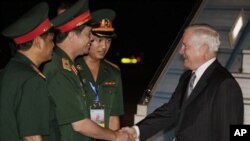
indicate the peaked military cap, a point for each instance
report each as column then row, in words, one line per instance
column 32, row 24
column 105, row 18
column 76, row 15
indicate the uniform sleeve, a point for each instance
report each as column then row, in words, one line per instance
column 118, row 106
column 68, row 95
column 164, row 117
column 33, row 111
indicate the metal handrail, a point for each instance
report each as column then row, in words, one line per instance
column 146, row 97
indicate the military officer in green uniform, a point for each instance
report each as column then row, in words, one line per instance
column 26, row 110
column 102, row 79
column 64, row 82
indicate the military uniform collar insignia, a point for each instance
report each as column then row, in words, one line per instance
column 73, row 68
column 68, row 66
column 79, row 67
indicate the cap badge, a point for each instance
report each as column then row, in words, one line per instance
column 105, row 25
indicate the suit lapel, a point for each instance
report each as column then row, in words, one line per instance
column 197, row 91
column 183, row 87
column 201, row 85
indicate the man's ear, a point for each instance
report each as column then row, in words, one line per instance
column 37, row 42
column 71, row 35
column 204, row 48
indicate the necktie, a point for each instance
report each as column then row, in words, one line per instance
column 191, row 84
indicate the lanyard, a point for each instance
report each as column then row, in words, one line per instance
column 95, row 90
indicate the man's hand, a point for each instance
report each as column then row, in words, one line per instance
column 123, row 136
column 33, row 138
column 130, row 130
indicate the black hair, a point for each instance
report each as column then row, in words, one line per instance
column 60, row 37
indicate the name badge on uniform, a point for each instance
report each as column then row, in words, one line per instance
column 97, row 114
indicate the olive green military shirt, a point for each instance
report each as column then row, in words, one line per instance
column 25, row 107
column 109, row 87
column 66, row 90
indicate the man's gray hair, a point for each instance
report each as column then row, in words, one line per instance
column 205, row 34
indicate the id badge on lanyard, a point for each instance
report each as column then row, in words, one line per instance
column 97, row 113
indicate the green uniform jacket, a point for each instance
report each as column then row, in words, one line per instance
column 25, row 107
column 109, row 87
column 66, row 89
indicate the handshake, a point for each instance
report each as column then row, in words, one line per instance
column 126, row 134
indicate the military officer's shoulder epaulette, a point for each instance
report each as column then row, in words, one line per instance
column 111, row 64
column 66, row 64
column 38, row 71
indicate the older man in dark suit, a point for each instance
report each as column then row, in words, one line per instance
column 207, row 99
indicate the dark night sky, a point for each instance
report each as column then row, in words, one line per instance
column 145, row 28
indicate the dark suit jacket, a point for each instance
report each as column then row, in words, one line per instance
column 215, row 103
